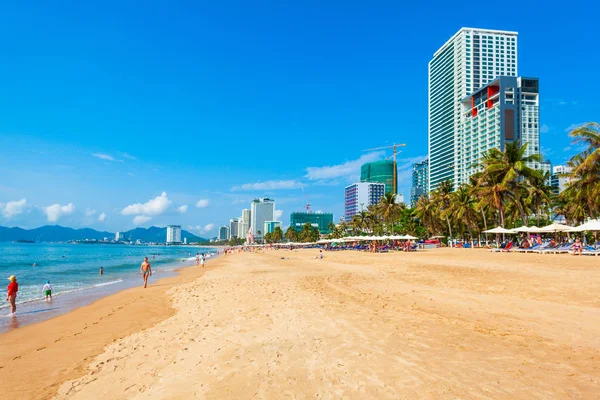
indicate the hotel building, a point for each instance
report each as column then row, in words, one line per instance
column 560, row 178
column 234, row 227
column 505, row 110
column 318, row 220
column 468, row 61
column 261, row 211
column 270, row 226
column 359, row 196
column 223, row 233
column 244, row 224
column 173, row 234
column 420, row 181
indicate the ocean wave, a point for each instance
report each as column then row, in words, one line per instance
column 56, row 294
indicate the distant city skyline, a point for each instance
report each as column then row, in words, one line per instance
column 151, row 126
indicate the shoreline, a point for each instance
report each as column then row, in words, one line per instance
column 58, row 349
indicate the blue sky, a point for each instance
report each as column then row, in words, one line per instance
column 115, row 115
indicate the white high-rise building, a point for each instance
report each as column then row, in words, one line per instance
column 234, row 227
column 173, row 234
column 359, row 196
column 505, row 110
column 468, row 61
column 244, row 223
column 119, row 236
column 560, row 177
column 261, row 211
column 223, row 233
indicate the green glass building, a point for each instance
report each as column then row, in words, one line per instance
column 319, row 220
column 379, row 172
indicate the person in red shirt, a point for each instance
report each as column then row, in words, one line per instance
column 11, row 295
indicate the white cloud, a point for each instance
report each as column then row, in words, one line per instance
column 269, row 185
column 203, row 203
column 140, row 219
column 349, row 170
column 129, row 156
column 573, row 126
column 182, row 209
column 89, row 213
column 155, row 206
column 202, row 229
column 102, row 217
column 544, row 129
column 103, row 156
column 55, row 211
column 277, row 215
column 13, row 208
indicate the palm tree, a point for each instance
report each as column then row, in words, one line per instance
column 291, row 235
column 441, row 195
column 360, row 221
column 508, row 169
column 389, row 209
column 462, row 209
column 588, row 134
column 427, row 212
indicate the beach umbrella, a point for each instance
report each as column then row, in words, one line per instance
column 555, row 227
column 522, row 229
column 499, row 229
column 592, row 225
column 409, row 237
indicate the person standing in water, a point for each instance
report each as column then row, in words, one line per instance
column 146, row 271
column 11, row 295
column 101, row 270
column 202, row 259
column 48, row 290
column 197, row 259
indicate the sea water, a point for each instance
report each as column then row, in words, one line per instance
column 73, row 272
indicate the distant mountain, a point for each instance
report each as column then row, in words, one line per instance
column 56, row 233
column 51, row 233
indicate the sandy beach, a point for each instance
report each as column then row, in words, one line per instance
column 448, row 323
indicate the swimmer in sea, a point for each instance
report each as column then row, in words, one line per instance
column 146, row 271
column 101, row 270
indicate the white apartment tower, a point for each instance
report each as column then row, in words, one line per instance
column 173, row 234
column 261, row 211
column 359, row 196
column 234, row 228
column 244, row 224
column 468, row 61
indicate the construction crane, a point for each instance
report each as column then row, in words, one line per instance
column 394, row 148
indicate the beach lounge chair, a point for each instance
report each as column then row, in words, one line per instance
column 527, row 249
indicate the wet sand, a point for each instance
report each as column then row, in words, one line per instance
column 449, row 323
column 35, row 359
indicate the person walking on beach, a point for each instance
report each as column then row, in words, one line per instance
column 146, row 271
column 48, row 290
column 11, row 295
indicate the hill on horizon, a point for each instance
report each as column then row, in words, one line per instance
column 57, row 233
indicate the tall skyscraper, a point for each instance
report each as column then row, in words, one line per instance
column 173, row 234
column 223, row 233
column 244, row 224
column 359, row 196
column 466, row 62
column 506, row 110
column 420, row 181
column 261, row 211
column 234, row 224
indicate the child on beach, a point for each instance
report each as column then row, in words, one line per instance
column 11, row 295
column 48, row 290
